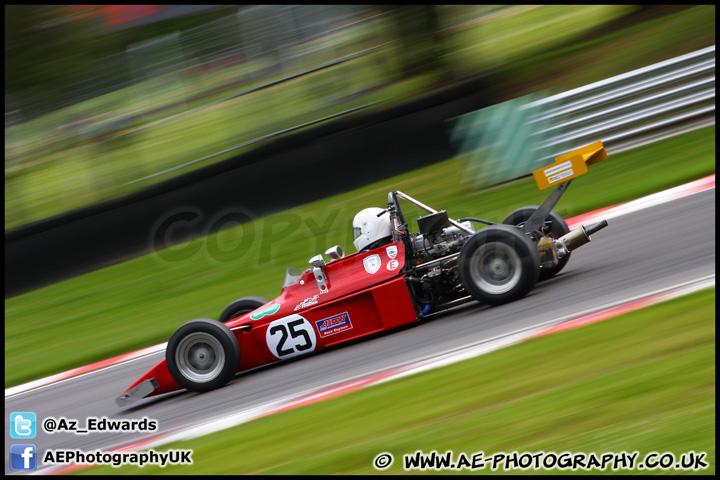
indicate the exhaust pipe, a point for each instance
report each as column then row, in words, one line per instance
column 577, row 238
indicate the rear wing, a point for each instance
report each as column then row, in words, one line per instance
column 570, row 165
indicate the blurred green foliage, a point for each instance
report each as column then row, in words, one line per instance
column 50, row 48
column 78, row 155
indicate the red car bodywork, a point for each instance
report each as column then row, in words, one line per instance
column 446, row 263
column 359, row 302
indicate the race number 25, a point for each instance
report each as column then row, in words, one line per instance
column 290, row 336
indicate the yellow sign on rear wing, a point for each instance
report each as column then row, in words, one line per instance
column 570, row 165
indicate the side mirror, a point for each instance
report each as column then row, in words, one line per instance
column 317, row 261
column 335, row 252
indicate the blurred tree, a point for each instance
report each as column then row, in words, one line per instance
column 51, row 50
column 44, row 53
column 422, row 49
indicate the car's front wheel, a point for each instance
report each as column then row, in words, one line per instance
column 241, row 306
column 203, row 355
column 498, row 264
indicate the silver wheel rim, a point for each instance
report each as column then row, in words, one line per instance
column 495, row 267
column 200, row 357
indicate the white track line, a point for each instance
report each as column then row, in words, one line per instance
column 236, row 418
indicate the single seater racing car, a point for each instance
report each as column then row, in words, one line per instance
column 396, row 278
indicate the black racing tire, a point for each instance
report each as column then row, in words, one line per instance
column 558, row 228
column 203, row 355
column 499, row 264
column 241, row 306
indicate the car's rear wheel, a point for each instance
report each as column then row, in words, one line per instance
column 203, row 355
column 557, row 229
column 498, row 264
column 241, row 306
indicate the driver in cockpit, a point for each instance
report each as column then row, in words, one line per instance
column 370, row 230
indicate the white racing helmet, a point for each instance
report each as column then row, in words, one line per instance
column 368, row 228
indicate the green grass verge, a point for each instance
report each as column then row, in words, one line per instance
column 528, row 48
column 527, row 31
column 621, row 49
column 140, row 302
column 643, row 381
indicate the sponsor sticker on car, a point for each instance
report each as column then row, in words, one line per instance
column 307, row 302
column 265, row 311
column 332, row 325
column 372, row 263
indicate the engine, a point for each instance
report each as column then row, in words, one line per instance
column 436, row 278
column 438, row 244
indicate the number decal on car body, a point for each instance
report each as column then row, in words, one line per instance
column 290, row 336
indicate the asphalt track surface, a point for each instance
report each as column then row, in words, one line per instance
column 638, row 253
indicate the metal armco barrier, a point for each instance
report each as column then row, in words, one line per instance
column 511, row 139
column 631, row 109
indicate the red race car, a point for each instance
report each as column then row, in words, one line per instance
column 396, row 277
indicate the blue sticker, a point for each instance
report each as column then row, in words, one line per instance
column 335, row 324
